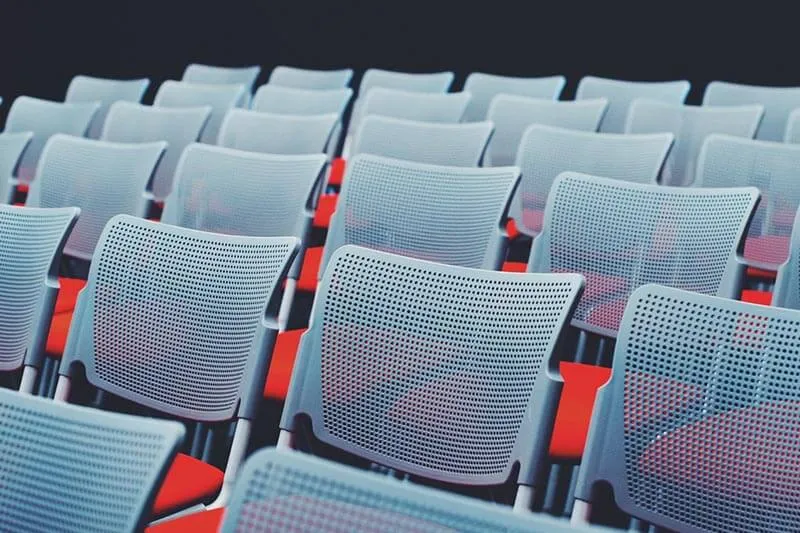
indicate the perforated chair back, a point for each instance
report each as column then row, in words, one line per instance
column 772, row 167
column 545, row 152
column 279, row 491
column 105, row 91
column 221, row 98
column 100, row 177
column 460, row 145
column 255, row 131
column 621, row 94
column 79, row 470
column 301, row 78
column 290, row 101
column 45, row 118
column 411, row 105
column 430, row 373
column 32, row 240
column 512, row 115
column 175, row 320
column 244, row 193
column 196, row 73
column 12, row 146
column 690, row 125
column 622, row 235
column 179, row 127
column 696, row 431
column 443, row 213
column 778, row 102
column 793, row 127
column 787, row 284
column 484, row 87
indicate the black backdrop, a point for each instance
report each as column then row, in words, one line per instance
column 46, row 42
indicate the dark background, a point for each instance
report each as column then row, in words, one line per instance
column 46, row 42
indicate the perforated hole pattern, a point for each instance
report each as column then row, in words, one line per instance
column 410, row 105
column 175, row 314
column 725, row 453
column 255, row 131
column 29, row 241
column 778, row 102
column 621, row 236
column 434, row 369
column 133, row 123
column 81, row 476
column 449, row 215
column 484, row 87
column 221, row 98
column 460, row 145
column 289, row 101
column 242, row 193
column 88, row 89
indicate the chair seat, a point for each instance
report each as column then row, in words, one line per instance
column 68, row 293
column 57, row 338
column 336, row 175
column 307, row 281
column 514, row 266
column 200, row 522
column 189, row 481
column 280, row 368
column 326, row 205
column 757, row 297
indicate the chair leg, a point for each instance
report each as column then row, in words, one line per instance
column 580, row 513
column 28, row 382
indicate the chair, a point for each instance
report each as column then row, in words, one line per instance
column 425, row 142
column 300, row 78
column 696, row 431
column 411, row 105
column 691, row 125
column 212, row 75
column 787, row 284
column 545, row 152
column 255, row 131
column 45, row 118
column 484, row 87
column 512, row 115
column 12, row 146
column 181, row 322
column 32, row 240
column 793, row 127
column 76, row 469
column 179, row 127
column 622, row 93
column 778, row 102
column 290, row 101
column 620, row 236
column 105, row 91
column 221, row 98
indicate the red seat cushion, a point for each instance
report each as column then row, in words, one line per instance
column 514, row 266
column 68, row 293
column 280, row 368
column 23, row 188
column 57, row 338
column 189, row 481
column 307, row 281
column 201, row 522
column 759, row 273
column 757, row 297
column 325, row 208
column 575, row 408
column 336, row 175
column 511, row 229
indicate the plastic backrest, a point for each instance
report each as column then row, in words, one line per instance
column 174, row 318
column 443, row 213
column 45, row 118
column 196, row 73
column 32, row 240
column 436, row 370
column 100, row 177
column 243, row 193
column 793, row 127
column 105, row 91
column 12, row 146
column 774, row 168
column 622, row 235
column 271, row 133
column 787, row 285
column 411, row 105
column 290, row 101
column 221, row 98
column 76, row 469
column 484, row 87
column 690, row 125
column 426, row 142
column 301, row 78
column 179, row 127
column 621, row 94
column 545, row 152
column 778, row 102
column 512, row 115
column 286, row 491
column 697, row 429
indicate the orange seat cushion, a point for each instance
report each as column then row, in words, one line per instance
column 575, row 408
column 336, row 175
column 200, row 522
column 68, row 293
column 307, row 281
column 757, row 297
column 769, row 275
column 23, row 188
column 280, row 368
column 57, row 338
column 514, row 266
column 325, row 208
column 189, row 481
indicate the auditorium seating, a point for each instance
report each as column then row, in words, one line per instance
column 213, row 75
column 221, row 98
column 778, row 102
column 105, row 91
column 300, row 78
column 484, row 87
column 12, row 146
column 272, row 133
column 271, row 98
column 411, row 105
